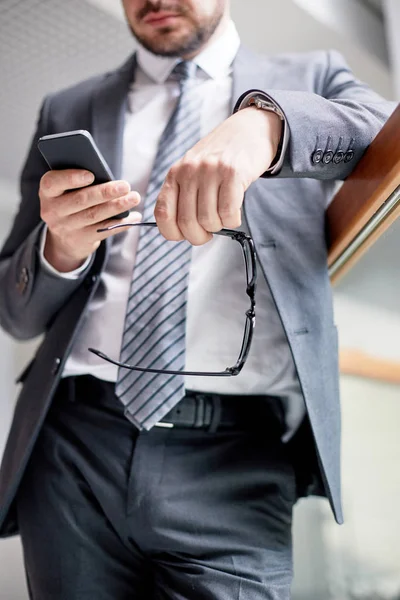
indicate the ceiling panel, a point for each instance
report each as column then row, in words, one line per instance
column 46, row 45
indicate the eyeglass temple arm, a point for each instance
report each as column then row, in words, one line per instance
column 229, row 371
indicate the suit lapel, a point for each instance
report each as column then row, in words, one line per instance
column 109, row 106
column 108, row 119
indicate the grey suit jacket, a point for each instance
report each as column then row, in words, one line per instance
column 332, row 120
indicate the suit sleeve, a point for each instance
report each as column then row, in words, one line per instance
column 30, row 295
column 328, row 130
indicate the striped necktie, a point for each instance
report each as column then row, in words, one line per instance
column 154, row 328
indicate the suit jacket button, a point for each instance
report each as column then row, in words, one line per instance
column 349, row 156
column 56, row 366
column 339, row 156
column 90, row 280
column 327, row 157
column 23, row 280
column 317, row 157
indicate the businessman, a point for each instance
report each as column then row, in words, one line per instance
column 134, row 484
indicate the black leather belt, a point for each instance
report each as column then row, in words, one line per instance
column 198, row 410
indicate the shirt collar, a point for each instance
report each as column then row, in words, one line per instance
column 215, row 59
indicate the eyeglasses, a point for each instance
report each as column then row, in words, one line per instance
column 249, row 254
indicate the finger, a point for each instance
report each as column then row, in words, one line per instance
column 187, row 211
column 90, row 197
column 165, row 212
column 54, row 183
column 101, row 212
column 230, row 200
column 207, row 203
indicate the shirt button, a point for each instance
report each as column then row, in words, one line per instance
column 327, row 157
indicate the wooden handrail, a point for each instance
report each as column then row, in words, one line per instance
column 363, row 194
column 357, row 362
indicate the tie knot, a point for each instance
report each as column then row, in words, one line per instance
column 185, row 70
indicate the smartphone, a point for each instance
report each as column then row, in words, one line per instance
column 76, row 150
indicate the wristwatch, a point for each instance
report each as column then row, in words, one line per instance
column 264, row 104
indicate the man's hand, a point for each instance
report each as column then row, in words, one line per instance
column 73, row 217
column 203, row 192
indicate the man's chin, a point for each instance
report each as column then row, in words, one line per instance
column 171, row 40
column 166, row 43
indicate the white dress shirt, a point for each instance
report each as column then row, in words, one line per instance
column 216, row 290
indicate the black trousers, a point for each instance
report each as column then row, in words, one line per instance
column 108, row 513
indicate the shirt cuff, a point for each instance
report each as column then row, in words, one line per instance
column 278, row 161
column 50, row 269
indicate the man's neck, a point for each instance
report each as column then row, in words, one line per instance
column 219, row 31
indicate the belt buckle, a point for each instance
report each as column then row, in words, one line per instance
column 198, row 414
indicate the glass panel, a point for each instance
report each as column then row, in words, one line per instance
column 360, row 560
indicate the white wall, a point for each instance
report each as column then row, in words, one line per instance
column 351, row 19
column 13, row 355
column 287, row 26
column 12, row 577
column 392, row 13
column 369, row 328
column 8, row 348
